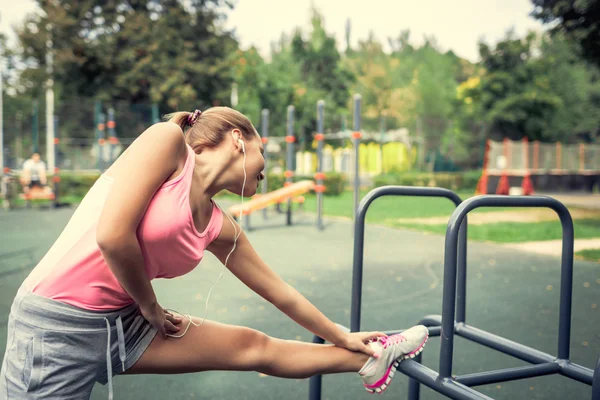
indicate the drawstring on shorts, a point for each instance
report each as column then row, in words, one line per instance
column 122, row 353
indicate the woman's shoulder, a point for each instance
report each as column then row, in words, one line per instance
column 163, row 141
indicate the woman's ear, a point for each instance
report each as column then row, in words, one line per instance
column 236, row 134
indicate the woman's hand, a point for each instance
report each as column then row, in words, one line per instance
column 161, row 319
column 357, row 341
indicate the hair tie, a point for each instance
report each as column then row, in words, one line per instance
column 193, row 117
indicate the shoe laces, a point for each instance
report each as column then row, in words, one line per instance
column 391, row 340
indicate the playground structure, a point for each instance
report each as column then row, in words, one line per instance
column 453, row 319
column 290, row 192
column 278, row 197
column 542, row 167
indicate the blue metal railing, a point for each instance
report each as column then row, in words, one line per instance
column 453, row 319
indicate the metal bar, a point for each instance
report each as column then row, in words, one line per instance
column 461, row 283
column 577, row 372
column 450, row 269
column 433, row 331
column 432, row 379
column 503, row 345
column 100, row 154
column 264, row 127
column 56, row 177
column 359, row 235
column 319, row 183
column 596, row 382
column 508, row 374
column 3, row 187
column 431, row 320
column 290, row 158
column 414, row 386
column 112, row 134
column 356, row 140
column 316, row 381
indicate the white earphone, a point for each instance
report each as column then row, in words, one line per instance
column 235, row 238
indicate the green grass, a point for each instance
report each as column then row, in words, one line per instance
column 592, row 254
column 512, row 232
column 388, row 208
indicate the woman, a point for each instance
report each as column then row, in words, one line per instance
column 88, row 310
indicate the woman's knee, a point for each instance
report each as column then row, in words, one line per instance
column 256, row 347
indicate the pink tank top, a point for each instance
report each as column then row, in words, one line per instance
column 74, row 272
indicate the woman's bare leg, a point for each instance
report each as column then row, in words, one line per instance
column 215, row 346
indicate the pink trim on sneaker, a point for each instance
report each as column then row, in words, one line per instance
column 382, row 380
column 418, row 348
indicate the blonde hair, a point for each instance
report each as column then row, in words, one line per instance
column 210, row 127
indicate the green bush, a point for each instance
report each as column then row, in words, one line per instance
column 76, row 184
column 335, row 184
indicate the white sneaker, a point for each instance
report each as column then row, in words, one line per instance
column 377, row 373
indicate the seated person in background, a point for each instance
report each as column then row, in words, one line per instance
column 34, row 173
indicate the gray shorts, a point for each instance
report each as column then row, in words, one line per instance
column 57, row 351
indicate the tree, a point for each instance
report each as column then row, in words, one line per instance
column 577, row 19
column 542, row 91
column 171, row 52
column 322, row 75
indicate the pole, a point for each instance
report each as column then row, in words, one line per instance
column 35, row 127
column 112, row 135
column 289, row 173
column 50, row 103
column 56, row 177
column 320, row 176
column 155, row 113
column 3, row 188
column 97, row 112
column 264, row 127
column 101, row 126
column 356, row 135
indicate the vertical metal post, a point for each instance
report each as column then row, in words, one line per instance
column 49, row 103
column 155, row 113
column 264, row 127
column 596, row 382
column 414, row 387
column 289, row 173
column 356, row 135
column 357, row 264
column 316, row 381
column 112, row 135
column 461, row 284
column 566, row 284
column 448, row 303
column 3, row 190
column 100, row 130
column 320, row 176
column 35, row 127
column 56, row 177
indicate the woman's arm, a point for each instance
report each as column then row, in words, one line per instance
column 247, row 266
column 148, row 163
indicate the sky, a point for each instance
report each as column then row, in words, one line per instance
column 457, row 24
